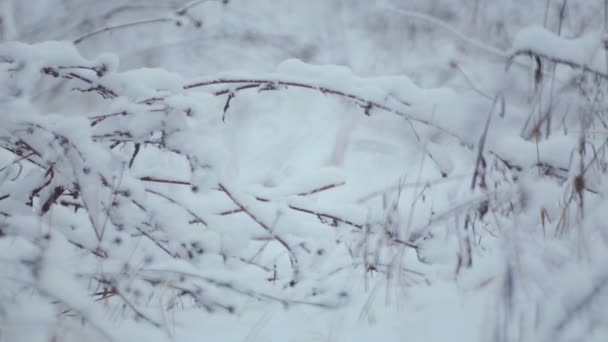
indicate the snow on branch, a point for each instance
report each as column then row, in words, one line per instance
column 130, row 174
column 580, row 53
column 82, row 170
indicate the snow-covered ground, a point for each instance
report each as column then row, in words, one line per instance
column 303, row 170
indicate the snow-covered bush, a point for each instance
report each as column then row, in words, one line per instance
column 84, row 222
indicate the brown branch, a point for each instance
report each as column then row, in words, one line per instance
column 304, row 193
column 180, row 12
column 136, row 148
column 37, row 190
column 16, row 162
column 120, row 26
column 329, row 216
column 320, row 189
column 28, row 146
column 71, row 204
column 100, row 71
column 582, row 303
column 292, row 257
column 192, row 213
column 545, row 169
column 154, row 241
column 253, row 83
column 304, row 210
column 166, row 181
column 99, row 118
column 286, row 302
column 58, row 191
column 405, row 243
column 137, row 312
column 230, row 212
column 106, row 293
column 100, row 253
column 266, row 84
column 556, row 60
column 102, row 90
column 17, row 152
column 250, row 262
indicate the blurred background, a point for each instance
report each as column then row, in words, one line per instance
column 425, row 40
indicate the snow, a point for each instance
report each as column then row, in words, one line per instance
column 539, row 40
column 302, row 171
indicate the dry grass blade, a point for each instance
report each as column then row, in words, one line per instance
column 498, row 100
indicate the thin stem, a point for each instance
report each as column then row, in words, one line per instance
column 292, row 256
column 269, row 84
column 121, row 26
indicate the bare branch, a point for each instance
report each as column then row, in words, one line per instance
column 292, row 257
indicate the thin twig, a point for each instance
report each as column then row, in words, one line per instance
column 166, row 181
column 269, row 84
column 292, row 257
column 121, row 26
column 329, row 216
column 480, row 164
column 192, row 213
column 322, row 188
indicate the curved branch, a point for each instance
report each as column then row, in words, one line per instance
column 271, row 85
column 268, row 84
column 192, row 213
column 556, row 60
column 121, row 26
